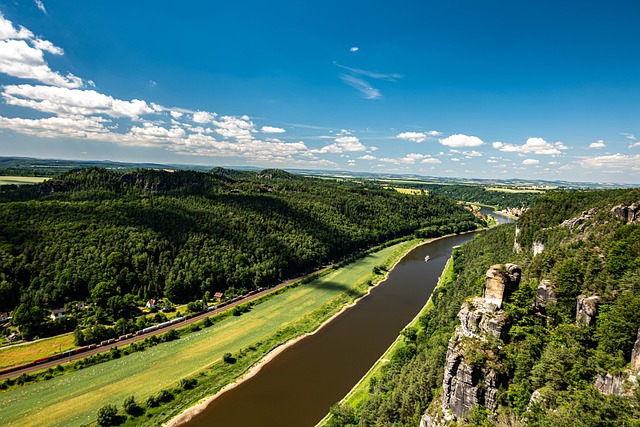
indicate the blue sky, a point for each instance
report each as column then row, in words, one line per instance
column 504, row 89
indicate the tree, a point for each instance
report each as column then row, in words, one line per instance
column 131, row 407
column 107, row 415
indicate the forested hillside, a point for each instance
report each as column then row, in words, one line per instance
column 479, row 194
column 566, row 356
column 117, row 239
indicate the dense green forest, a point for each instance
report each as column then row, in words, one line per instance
column 549, row 353
column 479, row 194
column 117, row 239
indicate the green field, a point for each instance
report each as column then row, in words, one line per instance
column 73, row 399
column 21, row 180
column 512, row 190
column 18, row 354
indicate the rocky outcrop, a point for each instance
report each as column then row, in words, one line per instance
column 635, row 356
column 587, row 309
column 516, row 245
column 579, row 222
column 501, row 280
column 628, row 213
column 611, row 384
column 538, row 248
column 545, row 294
column 469, row 378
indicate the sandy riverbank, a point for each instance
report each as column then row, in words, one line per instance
column 191, row 412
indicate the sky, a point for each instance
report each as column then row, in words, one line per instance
column 466, row 88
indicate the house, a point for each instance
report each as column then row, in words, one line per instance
column 14, row 336
column 4, row 316
column 152, row 303
column 58, row 313
column 218, row 296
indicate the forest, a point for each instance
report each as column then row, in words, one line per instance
column 552, row 356
column 113, row 240
column 479, row 194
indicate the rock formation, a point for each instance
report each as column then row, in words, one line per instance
column 587, row 309
column 545, row 294
column 468, row 379
column 580, row 221
column 622, row 384
column 628, row 213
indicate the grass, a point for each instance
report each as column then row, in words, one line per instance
column 402, row 190
column 360, row 391
column 74, row 399
column 21, row 180
column 18, row 354
column 512, row 190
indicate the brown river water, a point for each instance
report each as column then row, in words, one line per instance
column 298, row 386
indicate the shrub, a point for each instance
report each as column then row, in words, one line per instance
column 187, row 383
column 107, row 415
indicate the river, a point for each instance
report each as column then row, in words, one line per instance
column 298, row 387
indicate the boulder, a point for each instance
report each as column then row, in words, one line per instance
column 611, row 384
column 579, row 221
column 628, row 213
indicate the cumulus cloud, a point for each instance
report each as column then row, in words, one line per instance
column 532, row 146
column 271, row 129
column 530, row 162
column 240, row 128
column 342, row 144
column 472, row 153
column 69, row 102
column 26, row 60
column 410, row 159
column 203, row 117
column 368, row 157
column 459, row 140
column 354, row 49
column 598, row 144
column 417, row 136
column 615, row 161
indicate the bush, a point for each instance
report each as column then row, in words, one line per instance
column 131, row 407
column 187, row 383
column 107, row 415
column 228, row 358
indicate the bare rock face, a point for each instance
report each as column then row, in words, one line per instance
column 545, row 294
column 516, row 245
column 501, row 281
column 538, row 248
column 611, row 384
column 635, row 356
column 628, row 213
column 587, row 309
column 579, row 221
column 468, row 380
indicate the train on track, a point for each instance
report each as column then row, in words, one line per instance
column 69, row 353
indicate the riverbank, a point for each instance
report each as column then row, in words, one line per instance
column 360, row 391
column 191, row 412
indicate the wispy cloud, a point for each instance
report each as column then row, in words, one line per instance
column 354, row 49
column 40, row 6
column 366, row 90
column 357, row 79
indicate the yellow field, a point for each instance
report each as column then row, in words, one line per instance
column 414, row 191
column 73, row 399
column 512, row 190
column 21, row 180
column 19, row 354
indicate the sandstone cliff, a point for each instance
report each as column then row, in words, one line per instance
column 472, row 372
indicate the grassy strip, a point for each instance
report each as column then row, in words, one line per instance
column 360, row 391
column 21, row 180
column 18, row 354
column 74, row 399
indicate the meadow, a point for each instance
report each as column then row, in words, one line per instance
column 21, row 180
column 74, row 399
column 18, row 354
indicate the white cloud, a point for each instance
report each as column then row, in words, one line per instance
column 637, row 144
column 368, row 157
column 176, row 114
column 459, row 140
column 240, row 128
column 553, row 163
column 354, row 49
column 8, row 31
column 629, row 136
column 56, row 127
column 453, row 159
column 271, row 129
column 530, row 162
column 410, row 159
column 532, row 146
column 203, row 117
column 40, row 6
column 417, row 136
column 20, row 59
column 472, row 153
column 366, row 90
column 344, row 143
column 492, row 161
column 615, row 161
column 70, row 102
column 598, row 144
